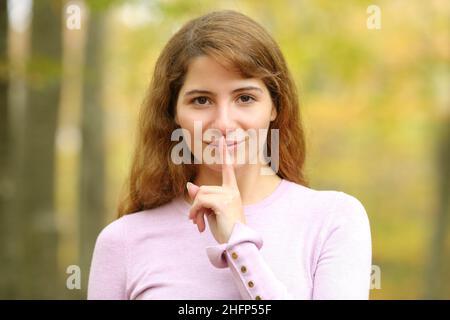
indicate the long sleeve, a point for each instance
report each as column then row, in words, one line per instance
column 252, row 275
column 107, row 278
column 344, row 266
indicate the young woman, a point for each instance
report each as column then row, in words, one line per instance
column 227, row 229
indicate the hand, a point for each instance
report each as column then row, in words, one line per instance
column 221, row 204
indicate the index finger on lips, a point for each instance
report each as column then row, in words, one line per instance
column 228, row 175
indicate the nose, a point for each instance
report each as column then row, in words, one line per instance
column 224, row 121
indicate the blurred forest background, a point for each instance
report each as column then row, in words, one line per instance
column 375, row 104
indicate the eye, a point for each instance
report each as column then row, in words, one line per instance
column 200, row 101
column 246, row 99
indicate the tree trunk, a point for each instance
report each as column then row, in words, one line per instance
column 39, row 276
column 437, row 279
column 5, row 257
column 92, row 171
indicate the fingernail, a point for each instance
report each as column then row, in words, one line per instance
column 188, row 185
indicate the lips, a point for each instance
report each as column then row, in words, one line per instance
column 228, row 142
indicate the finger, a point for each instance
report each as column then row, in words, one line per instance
column 200, row 220
column 228, row 176
column 204, row 201
column 210, row 189
column 192, row 189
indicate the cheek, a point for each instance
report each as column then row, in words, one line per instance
column 256, row 120
column 186, row 117
column 186, row 123
column 186, row 120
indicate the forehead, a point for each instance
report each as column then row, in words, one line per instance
column 204, row 71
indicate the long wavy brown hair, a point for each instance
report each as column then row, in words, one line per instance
column 229, row 37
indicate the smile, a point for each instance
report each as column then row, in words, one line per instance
column 230, row 144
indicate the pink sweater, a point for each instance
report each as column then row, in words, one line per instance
column 298, row 243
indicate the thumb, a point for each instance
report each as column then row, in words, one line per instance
column 192, row 189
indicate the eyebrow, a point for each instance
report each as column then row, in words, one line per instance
column 197, row 91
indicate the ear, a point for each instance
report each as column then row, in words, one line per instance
column 273, row 114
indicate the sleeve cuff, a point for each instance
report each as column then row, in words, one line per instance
column 240, row 233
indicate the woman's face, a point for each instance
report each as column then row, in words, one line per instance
column 225, row 104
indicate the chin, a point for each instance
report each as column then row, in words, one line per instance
column 218, row 167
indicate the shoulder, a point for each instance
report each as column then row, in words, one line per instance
column 309, row 194
column 326, row 204
column 349, row 209
column 112, row 235
column 133, row 224
column 348, row 221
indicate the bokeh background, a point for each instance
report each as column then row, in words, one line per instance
column 375, row 104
